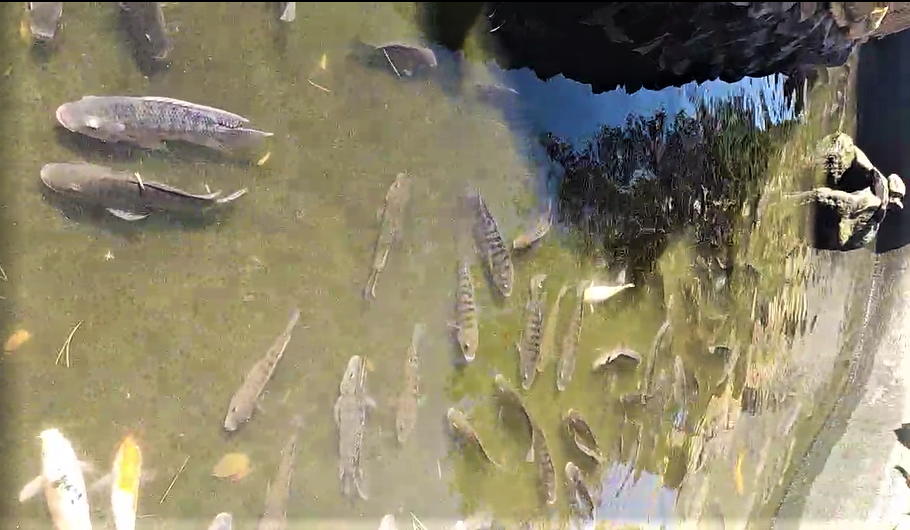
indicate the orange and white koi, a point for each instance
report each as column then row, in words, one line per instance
column 125, row 489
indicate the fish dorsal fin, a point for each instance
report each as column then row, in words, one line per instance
column 202, row 108
column 170, row 189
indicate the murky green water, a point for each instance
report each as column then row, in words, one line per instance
column 172, row 317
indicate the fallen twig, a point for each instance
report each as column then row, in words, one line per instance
column 3, row 274
column 65, row 349
column 416, row 524
column 171, row 485
column 320, row 87
column 391, row 63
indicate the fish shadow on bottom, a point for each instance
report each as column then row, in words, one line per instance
column 93, row 150
column 141, row 48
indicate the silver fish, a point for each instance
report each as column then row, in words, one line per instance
column 581, row 435
column 288, row 11
column 507, row 391
column 404, row 60
column 222, row 521
column 466, row 433
column 548, row 339
column 43, row 19
column 566, row 366
column 536, row 231
column 545, row 468
column 406, row 411
column 396, row 200
column 467, row 331
column 144, row 22
column 529, row 343
column 274, row 515
column 493, row 249
column 579, row 495
column 245, row 400
column 350, row 419
column 126, row 195
column 148, row 121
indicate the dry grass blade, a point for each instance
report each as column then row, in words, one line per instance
column 416, row 524
column 65, row 349
column 173, row 480
column 3, row 275
column 320, row 87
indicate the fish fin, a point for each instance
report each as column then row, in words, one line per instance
column 102, row 483
column 187, row 104
column 153, row 144
column 31, row 489
column 369, row 402
column 360, row 485
column 125, row 215
column 87, row 467
column 236, row 195
column 259, row 408
column 529, row 457
column 336, row 412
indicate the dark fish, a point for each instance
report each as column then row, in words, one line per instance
column 565, row 368
column 402, row 59
column 148, row 121
column 581, row 434
column 506, row 390
column 144, row 21
column 545, row 468
column 492, row 247
column 274, row 515
column 123, row 194
column 288, row 11
column 396, row 199
column 903, row 435
column 43, row 19
column 531, row 337
column 350, row 417
column 465, row 432
column 580, row 499
column 406, row 411
column 467, row 332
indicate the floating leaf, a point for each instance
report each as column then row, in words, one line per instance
column 16, row 340
column 232, row 466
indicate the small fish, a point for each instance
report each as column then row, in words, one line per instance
column 126, row 195
column 581, row 434
column 404, row 60
column 350, row 419
column 288, row 11
column 222, row 521
column 64, row 484
column 615, row 355
column 545, row 468
column 246, row 399
column 148, row 121
column 465, row 432
column 599, row 293
column 467, row 331
column 529, row 343
column 43, row 19
column 274, row 514
column 566, row 366
column 125, row 489
column 406, row 412
column 144, row 23
column 492, row 247
column 506, row 390
column 579, row 495
column 548, row 340
column 536, row 232
column 396, row 200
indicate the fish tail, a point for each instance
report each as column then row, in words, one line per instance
column 238, row 137
column 236, row 195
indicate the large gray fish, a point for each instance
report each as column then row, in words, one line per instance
column 144, row 21
column 580, row 499
column 548, row 339
column 148, row 121
column 403, row 60
column 350, row 419
column 506, row 390
column 246, row 399
column 396, row 200
column 465, row 432
column 222, row 521
column 274, row 516
column 566, row 366
column 123, row 194
column 529, row 343
column 492, row 247
column 467, row 330
column 43, row 19
column 545, row 468
column 406, row 411
column 581, row 435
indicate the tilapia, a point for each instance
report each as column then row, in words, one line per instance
column 125, row 488
column 402, row 59
column 548, row 339
column 396, row 200
column 465, row 432
column 246, row 399
column 43, row 19
column 126, row 195
column 566, row 367
column 614, row 355
column 467, row 331
column 529, row 343
column 506, row 390
column 493, row 249
column 288, row 11
column 406, row 411
column 222, row 521
column 579, row 495
column 350, row 418
column 64, row 485
column 536, row 231
column 274, row 514
column 148, row 121
column 581, row 435
column 144, row 22
column 545, row 468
